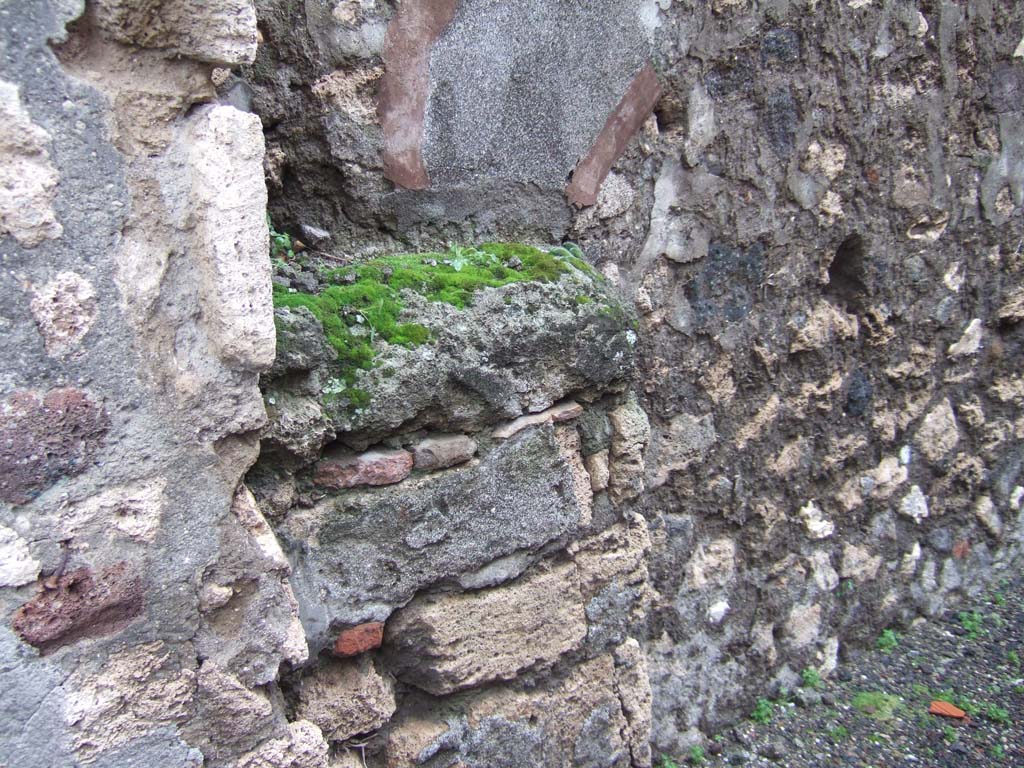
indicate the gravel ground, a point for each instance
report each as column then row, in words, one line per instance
column 873, row 712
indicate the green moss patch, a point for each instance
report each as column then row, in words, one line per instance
column 362, row 303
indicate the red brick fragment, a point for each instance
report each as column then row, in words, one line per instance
column 371, row 468
column 622, row 124
column 359, row 639
column 78, row 605
column 45, row 436
column 945, row 709
column 961, row 549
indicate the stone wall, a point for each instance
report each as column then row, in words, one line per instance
column 590, row 516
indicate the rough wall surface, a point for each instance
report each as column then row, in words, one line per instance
column 591, row 513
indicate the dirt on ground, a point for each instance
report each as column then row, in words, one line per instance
column 873, row 712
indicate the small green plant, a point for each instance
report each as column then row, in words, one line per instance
column 666, row 762
column 1013, row 659
column 999, row 598
column 881, row 706
column 839, row 733
column 847, row 587
column 949, row 734
column 280, row 243
column 972, row 622
column 998, row 751
column 995, row 713
column 887, row 641
column 697, row 756
column 810, row 678
column 762, row 711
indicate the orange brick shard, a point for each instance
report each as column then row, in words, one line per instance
column 945, row 709
column 359, row 639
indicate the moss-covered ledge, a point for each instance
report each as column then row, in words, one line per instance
column 457, row 340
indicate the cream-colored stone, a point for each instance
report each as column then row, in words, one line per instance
column 713, row 563
column 908, row 565
column 987, row 514
column 345, row 698
column 609, row 692
column 817, row 525
column 762, row 642
column 841, row 449
column 351, row 92
column 232, row 716
column 136, row 691
column 597, row 467
column 17, row 566
column 28, row 180
column 824, row 575
column 825, row 157
column 818, row 396
column 569, row 447
column 303, row 747
column 64, row 310
column 410, row 736
column 849, row 495
column 938, row 434
column 1012, row 310
column 920, row 363
column 616, row 557
column 765, row 415
column 134, row 510
column 887, row 477
column 970, row 341
column 633, row 686
column 631, row 428
column 914, row 505
column 859, row 564
column 828, row 657
column 790, row 458
column 685, row 441
column 803, row 624
column 824, row 325
column 228, row 198
column 911, row 187
column 615, row 196
column 244, row 507
column 719, row 383
column 1008, row 389
column 1016, row 498
column 216, row 31
column 631, row 431
column 447, row 642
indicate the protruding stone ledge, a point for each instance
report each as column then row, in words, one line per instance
column 443, row 451
column 564, row 411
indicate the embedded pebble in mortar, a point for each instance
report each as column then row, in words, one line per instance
column 915, row 504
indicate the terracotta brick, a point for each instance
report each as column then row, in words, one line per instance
column 371, row 468
column 359, row 639
column 945, row 709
